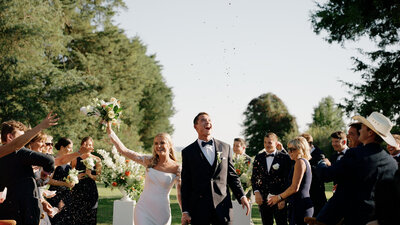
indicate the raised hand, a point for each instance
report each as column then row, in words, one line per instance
column 50, row 120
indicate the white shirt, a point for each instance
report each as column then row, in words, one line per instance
column 344, row 152
column 208, row 151
column 270, row 159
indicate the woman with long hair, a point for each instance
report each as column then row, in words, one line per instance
column 298, row 193
column 162, row 172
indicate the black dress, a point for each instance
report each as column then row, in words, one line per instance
column 63, row 193
column 300, row 204
column 85, row 197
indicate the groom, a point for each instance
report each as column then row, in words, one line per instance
column 207, row 171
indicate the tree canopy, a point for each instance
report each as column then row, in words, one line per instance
column 267, row 113
column 327, row 118
column 379, row 20
column 59, row 55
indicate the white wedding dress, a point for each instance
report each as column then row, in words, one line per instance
column 153, row 205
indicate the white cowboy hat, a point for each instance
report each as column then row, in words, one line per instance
column 380, row 124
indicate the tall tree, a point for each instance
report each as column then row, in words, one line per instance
column 327, row 118
column 267, row 113
column 379, row 21
column 61, row 54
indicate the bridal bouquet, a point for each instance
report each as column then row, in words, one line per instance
column 107, row 111
column 117, row 172
column 243, row 169
column 89, row 162
column 72, row 177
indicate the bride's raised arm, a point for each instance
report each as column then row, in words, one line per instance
column 142, row 159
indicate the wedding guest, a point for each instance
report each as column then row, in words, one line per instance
column 395, row 150
column 85, row 193
column 37, row 144
column 239, row 148
column 62, row 188
column 360, row 170
column 339, row 144
column 207, row 172
column 22, row 201
column 49, row 145
column 353, row 135
column 317, row 189
column 298, row 193
column 270, row 173
column 330, row 213
column 162, row 172
column 21, row 141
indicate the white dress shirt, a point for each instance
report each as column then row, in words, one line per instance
column 344, row 152
column 208, row 151
column 270, row 160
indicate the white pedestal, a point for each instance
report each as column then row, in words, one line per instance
column 123, row 212
column 239, row 214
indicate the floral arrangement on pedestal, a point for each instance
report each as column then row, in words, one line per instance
column 243, row 167
column 118, row 172
column 107, row 111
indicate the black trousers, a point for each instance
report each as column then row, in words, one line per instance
column 268, row 214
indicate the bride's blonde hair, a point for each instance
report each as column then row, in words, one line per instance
column 156, row 158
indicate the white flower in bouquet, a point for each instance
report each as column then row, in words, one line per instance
column 89, row 162
column 72, row 177
column 107, row 111
column 117, row 172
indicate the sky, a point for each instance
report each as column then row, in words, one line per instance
column 218, row 55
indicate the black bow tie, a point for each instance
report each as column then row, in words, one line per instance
column 203, row 143
column 270, row 155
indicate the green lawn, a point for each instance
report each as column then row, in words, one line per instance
column 107, row 197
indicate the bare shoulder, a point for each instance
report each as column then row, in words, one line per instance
column 300, row 164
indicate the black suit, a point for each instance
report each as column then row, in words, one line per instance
column 205, row 193
column 272, row 182
column 317, row 188
column 357, row 174
column 22, row 202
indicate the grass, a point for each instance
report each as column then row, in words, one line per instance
column 107, row 197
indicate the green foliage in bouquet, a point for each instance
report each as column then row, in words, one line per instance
column 118, row 172
column 243, row 168
column 107, row 111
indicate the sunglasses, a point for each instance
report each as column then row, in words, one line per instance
column 49, row 144
column 292, row 149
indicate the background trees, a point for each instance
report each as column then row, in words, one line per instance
column 267, row 113
column 60, row 54
column 327, row 118
column 379, row 21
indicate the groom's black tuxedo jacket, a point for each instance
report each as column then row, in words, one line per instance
column 205, row 187
column 274, row 181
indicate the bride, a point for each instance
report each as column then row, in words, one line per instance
column 162, row 172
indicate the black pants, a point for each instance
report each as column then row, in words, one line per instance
column 269, row 213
